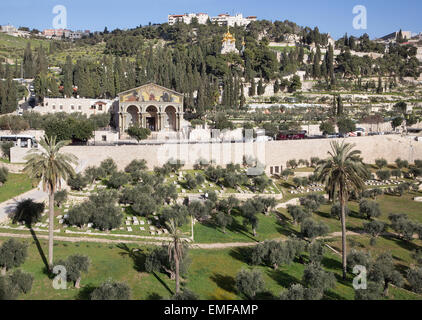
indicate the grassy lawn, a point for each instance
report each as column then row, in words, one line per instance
column 268, row 228
column 388, row 204
column 211, row 274
column 15, row 185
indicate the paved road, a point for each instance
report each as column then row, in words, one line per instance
column 8, row 206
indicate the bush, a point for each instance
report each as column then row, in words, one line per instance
column 249, row 283
column 297, row 213
column 60, row 197
column 396, row 173
column 401, row 224
column 108, row 166
column 369, row 209
column 381, row 163
column 185, row 295
column 136, row 165
column 374, row 228
column 315, row 277
column 75, row 265
column 5, row 149
column 414, row 277
column 111, row 290
column 384, row 174
column 22, row 281
column 138, row 133
column 77, row 182
column 12, row 254
column 373, row 292
column 79, row 215
column 3, row 175
column 100, row 209
column 358, row 258
column 312, row 229
column 117, row 180
column 93, row 174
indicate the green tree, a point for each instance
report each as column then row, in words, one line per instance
column 52, row 166
column 249, row 283
column 111, row 290
column 342, row 173
column 12, row 254
column 175, row 249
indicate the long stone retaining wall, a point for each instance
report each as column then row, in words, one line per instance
column 272, row 154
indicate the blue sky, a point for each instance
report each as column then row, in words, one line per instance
column 333, row 16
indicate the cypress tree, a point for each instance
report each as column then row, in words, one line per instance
column 28, row 62
column 68, row 78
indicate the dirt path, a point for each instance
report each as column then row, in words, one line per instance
column 209, row 246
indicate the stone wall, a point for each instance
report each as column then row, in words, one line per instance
column 275, row 153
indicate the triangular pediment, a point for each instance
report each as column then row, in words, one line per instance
column 151, row 93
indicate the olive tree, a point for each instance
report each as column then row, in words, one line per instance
column 75, row 265
column 312, row 229
column 12, row 254
column 249, row 283
column 383, row 271
column 297, row 213
column 111, row 290
column 369, row 209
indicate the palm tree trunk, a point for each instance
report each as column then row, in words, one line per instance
column 177, row 275
column 3, row 271
column 343, row 236
column 51, row 229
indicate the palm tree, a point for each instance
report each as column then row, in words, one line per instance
column 343, row 172
column 175, row 248
column 52, row 167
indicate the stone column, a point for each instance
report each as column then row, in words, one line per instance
column 158, row 124
column 177, row 122
column 144, row 119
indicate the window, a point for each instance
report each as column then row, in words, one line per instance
column 277, row 169
column 61, row 107
column 79, row 108
column 272, row 170
column 72, row 107
column 104, row 138
column 54, row 107
column 100, row 108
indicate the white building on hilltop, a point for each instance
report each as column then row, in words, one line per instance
column 231, row 21
column 222, row 19
column 187, row 18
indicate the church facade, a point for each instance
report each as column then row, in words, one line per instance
column 150, row 106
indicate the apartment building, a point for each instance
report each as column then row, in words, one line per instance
column 222, row 19
column 187, row 18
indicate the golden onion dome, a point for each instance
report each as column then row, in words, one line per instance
column 228, row 37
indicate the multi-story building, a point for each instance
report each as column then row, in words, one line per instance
column 72, row 105
column 222, row 19
column 231, row 21
column 64, row 33
column 8, row 29
column 187, row 18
